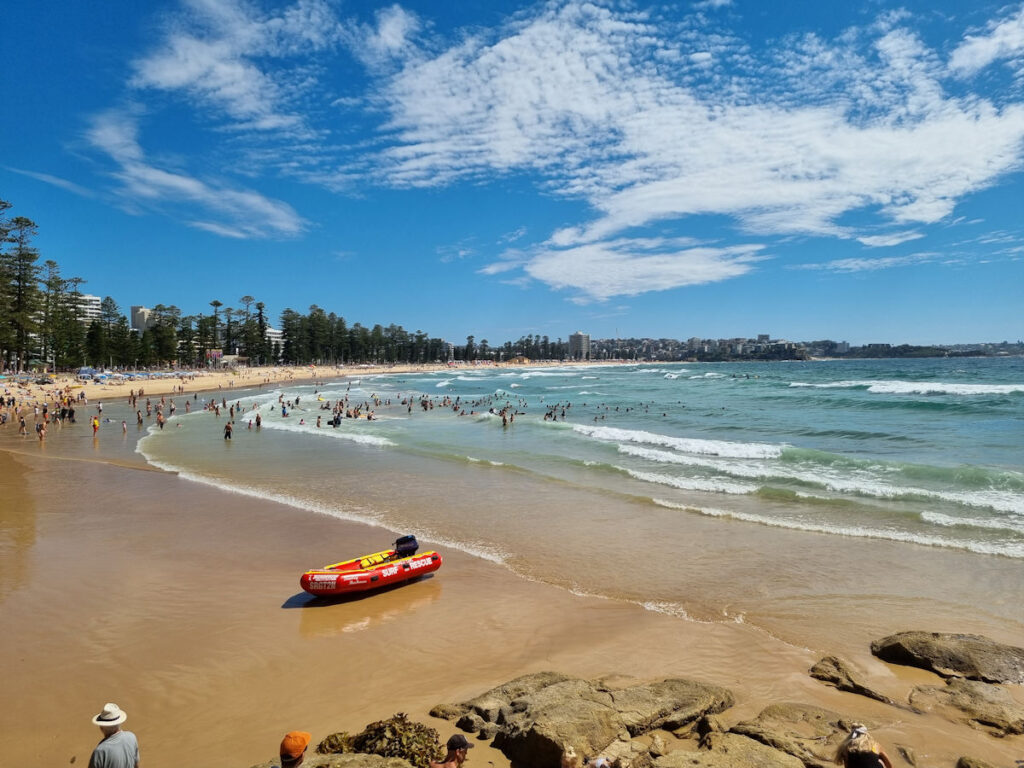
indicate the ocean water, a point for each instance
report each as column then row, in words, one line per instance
column 766, row 492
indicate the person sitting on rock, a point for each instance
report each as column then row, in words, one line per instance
column 458, row 753
column 860, row 750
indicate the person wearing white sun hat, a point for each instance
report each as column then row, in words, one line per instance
column 118, row 749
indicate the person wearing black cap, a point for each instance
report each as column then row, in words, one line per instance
column 458, row 749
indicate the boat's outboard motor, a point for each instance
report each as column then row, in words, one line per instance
column 406, row 546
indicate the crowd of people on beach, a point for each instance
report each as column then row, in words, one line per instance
column 120, row 748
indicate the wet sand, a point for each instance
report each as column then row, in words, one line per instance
column 181, row 603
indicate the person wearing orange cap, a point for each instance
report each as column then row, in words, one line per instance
column 293, row 748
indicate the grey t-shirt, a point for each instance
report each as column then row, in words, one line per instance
column 119, row 750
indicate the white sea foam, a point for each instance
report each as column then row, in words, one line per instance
column 337, row 433
column 671, row 375
column 684, row 444
column 708, row 375
column 858, row 482
column 445, row 383
column 1007, row 549
column 940, row 388
column 997, row 524
column 691, row 483
column 916, row 387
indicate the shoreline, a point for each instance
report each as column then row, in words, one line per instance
column 179, row 601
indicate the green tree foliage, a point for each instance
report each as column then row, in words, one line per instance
column 41, row 320
column 22, row 298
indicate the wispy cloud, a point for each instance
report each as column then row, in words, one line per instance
column 55, row 181
column 244, row 213
column 650, row 120
column 893, row 238
column 243, row 65
column 631, row 266
column 1004, row 39
column 791, row 145
column 870, row 265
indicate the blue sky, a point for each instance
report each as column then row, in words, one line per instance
column 716, row 169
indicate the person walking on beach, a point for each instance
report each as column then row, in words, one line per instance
column 458, row 753
column 118, row 749
column 860, row 750
column 293, row 748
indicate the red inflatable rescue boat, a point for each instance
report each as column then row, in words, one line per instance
column 381, row 569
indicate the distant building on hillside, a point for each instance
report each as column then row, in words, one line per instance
column 88, row 308
column 276, row 340
column 579, row 346
column 142, row 318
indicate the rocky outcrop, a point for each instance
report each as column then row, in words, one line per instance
column 487, row 705
column 344, row 761
column 952, row 655
column 986, row 706
column 836, row 672
column 728, row 750
column 972, row 762
column 809, row 734
column 537, row 716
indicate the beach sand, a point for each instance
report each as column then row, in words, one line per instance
column 181, row 603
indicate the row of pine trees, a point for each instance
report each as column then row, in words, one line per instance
column 40, row 327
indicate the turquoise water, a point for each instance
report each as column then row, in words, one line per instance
column 917, row 450
column 731, row 468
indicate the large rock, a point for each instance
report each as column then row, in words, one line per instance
column 537, row 728
column 353, row 760
column 971, row 656
column 668, row 704
column 972, row 762
column 537, row 716
column 986, row 706
column 729, row 750
column 809, row 734
column 487, row 705
column 836, row 672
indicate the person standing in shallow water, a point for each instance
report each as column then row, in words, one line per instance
column 227, row 431
column 118, row 749
column 860, row 750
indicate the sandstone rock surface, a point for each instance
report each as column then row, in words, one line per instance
column 728, row 750
column 836, row 672
column 536, row 716
column 954, row 655
column 807, row 733
column 985, row 705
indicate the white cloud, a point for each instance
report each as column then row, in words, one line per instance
column 630, row 266
column 228, row 57
column 390, row 38
column 648, row 120
column 893, row 238
column 573, row 95
column 1004, row 39
column 870, row 265
column 55, row 181
column 245, row 213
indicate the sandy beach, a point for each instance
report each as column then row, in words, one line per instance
column 180, row 602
